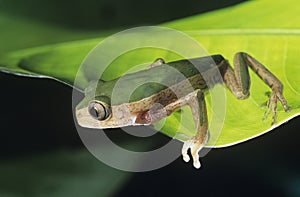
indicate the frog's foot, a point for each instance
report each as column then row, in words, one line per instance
column 195, row 145
column 272, row 105
column 157, row 62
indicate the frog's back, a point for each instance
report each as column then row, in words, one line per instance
column 197, row 65
column 151, row 81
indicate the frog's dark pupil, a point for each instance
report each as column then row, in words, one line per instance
column 94, row 112
column 98, row 111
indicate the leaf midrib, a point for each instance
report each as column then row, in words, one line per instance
column 211, row 32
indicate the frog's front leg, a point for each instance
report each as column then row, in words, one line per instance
column 238, row 81
column 196, row 101
column 198, row 108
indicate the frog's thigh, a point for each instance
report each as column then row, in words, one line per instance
column 198, row 108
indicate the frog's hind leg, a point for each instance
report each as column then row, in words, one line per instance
column 198, row 107
column 157, row 62
column 238, row 81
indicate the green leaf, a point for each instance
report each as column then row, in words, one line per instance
column 266, row 14
column 20, row 32
column 59, row 62
column 255, row 27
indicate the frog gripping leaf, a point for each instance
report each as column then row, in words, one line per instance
column 184, row 83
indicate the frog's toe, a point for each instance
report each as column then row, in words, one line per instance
column 271, row 106
column 184, row 151
column 197, row 164
column 275, row 96
column 195, row 147
column 185, row 157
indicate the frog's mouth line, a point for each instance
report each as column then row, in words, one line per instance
column 84, row 119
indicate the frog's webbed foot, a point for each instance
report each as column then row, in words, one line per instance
column 195, row 145
column 272, row 104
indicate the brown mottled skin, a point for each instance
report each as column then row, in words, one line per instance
column 198, row 75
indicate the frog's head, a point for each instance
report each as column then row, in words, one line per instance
column 96, row 111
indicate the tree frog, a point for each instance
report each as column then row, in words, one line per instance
column 97, row 110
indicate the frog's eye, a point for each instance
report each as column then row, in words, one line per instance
column 99, row 110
